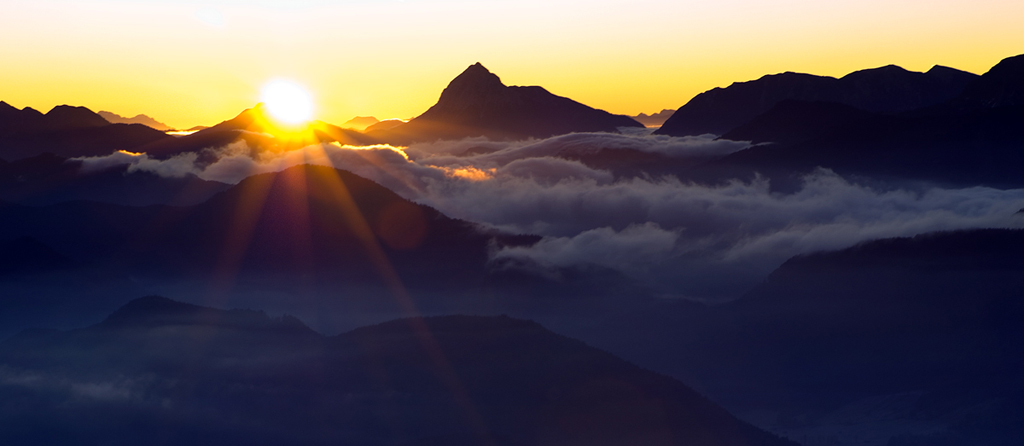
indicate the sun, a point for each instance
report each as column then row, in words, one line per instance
column 287, row 101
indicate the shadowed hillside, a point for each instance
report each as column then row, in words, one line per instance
column 158, row 370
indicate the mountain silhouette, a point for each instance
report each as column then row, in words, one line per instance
column 888, row 89
column 961, row 142
column 64, row 117
column 60, row 118
column 477, row 103
column 153, row 312
column 386, row 124
column 654, row 119
column 1002, row 86
column 360, row 123
column 66, row 131
column 147, row 121
column 464, row 380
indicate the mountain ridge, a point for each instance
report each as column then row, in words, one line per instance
column 474, row 380
column 477, row 103
column 888, row 89
column 147, row 121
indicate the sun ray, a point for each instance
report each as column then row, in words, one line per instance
column 358, row 224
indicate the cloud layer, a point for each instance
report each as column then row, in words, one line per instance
column 683, row 239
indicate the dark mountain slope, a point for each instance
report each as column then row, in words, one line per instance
column 181, row 374
column 306, row 219
column 476, row 103
column 792, row 121
column 963, row 142
column 933, row 322
column 888, row 89
column 87, row 141
column 1001, row 86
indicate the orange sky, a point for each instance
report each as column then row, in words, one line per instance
column 199, row 62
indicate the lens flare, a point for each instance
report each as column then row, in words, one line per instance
column 287, row 102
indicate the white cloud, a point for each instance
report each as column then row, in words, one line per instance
column 687, row 239
column 178, row 166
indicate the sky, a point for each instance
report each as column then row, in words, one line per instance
column 189, row 63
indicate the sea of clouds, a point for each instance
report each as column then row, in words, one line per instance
column 699, row 241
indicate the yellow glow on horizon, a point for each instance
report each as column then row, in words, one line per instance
column 201, row 64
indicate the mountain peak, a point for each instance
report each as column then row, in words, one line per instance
column 473, row 80
column 147, row 121
column 68, row 116
column 477, row 103
column 876, row 74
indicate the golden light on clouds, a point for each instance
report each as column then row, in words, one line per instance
column 469, row 173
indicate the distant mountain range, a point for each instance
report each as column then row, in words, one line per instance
column 973, row 138
column 654, row 120
column 68, row 132
column 360, row 123
column 888, row 89
column 903, row 341
column 160, row 371
column 477, row 103
column 114, row 118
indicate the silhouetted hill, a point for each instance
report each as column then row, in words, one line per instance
column 60, row 118
column 888, row 89
column 477, row 103
column 48, row 179
column 177, row 373
column 147, row 121
column 87, row 141
column 303, row 220
column 386, row 124
column 153, row 312
column 360, row 123
column 70, row 117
